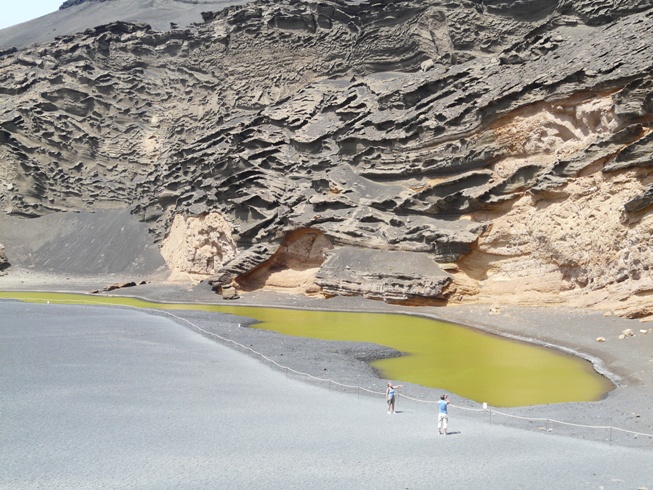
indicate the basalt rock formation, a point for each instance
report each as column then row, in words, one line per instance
column 480, row 150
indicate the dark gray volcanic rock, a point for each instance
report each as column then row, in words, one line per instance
column 379, row 274
column 79, row 15
column 436, row 129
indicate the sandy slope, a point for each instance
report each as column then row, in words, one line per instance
column 158, row 14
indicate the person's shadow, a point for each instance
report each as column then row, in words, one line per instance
column 453, row 433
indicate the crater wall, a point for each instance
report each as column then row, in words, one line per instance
column 508, row 145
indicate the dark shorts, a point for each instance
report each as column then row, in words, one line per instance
column 391, row 400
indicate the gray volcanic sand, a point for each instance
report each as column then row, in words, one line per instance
column 110, row 397
column 97, row 397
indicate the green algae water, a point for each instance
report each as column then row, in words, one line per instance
column 462, row 360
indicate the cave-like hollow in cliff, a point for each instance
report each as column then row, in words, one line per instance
column 293, row 266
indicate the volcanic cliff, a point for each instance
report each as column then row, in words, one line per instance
column 420, row 152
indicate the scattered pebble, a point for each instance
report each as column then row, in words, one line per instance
column 627, row 333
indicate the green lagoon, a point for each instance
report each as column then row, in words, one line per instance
column 458, row 359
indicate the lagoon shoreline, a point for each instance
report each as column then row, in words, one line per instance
column 118, row 397
column 627, row 362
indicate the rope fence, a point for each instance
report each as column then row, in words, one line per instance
column 599, row 433
column 546, row 425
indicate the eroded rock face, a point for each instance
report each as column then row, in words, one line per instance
column 197, row 246
column 294, row 265
column 510, row 138
column 3, row 256
column 390, row 276
column 78, row 15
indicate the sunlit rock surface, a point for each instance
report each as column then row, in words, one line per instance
column 3, row 257
column 459, row 151
column 198, row 246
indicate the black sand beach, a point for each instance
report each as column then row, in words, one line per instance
column 97, row 397
column 628, row 362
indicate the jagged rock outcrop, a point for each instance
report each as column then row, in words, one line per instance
column 391, row 276
column 510, row 138
column 78, row 15
column 3, row 257
column 293, row 266
column 198, row 246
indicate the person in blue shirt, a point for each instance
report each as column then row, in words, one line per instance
column 443, row 416
column 390, row 396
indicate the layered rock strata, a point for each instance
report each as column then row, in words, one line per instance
column 78, row 15
column 509, row 143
